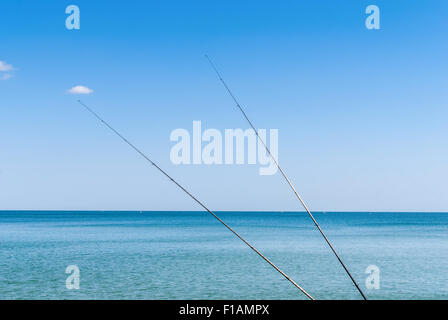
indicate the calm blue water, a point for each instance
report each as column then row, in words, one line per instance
column 189, row 255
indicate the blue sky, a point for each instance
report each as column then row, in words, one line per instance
column 361, row 113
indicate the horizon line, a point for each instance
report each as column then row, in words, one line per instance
column 248, row 211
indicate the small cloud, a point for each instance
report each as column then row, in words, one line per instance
column 80, row 90
column 6, row 76
column 5, row 67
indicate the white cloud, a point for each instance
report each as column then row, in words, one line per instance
column 5, row 67
column 6, row 76
column 80, row 90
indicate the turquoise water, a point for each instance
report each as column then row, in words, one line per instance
column 189, row 255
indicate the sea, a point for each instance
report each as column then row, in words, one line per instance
column 190, row 255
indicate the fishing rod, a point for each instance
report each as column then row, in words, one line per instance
column 194, row 198
column 284, row 175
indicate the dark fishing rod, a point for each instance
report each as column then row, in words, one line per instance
column 194, row 198
column 284, row 176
